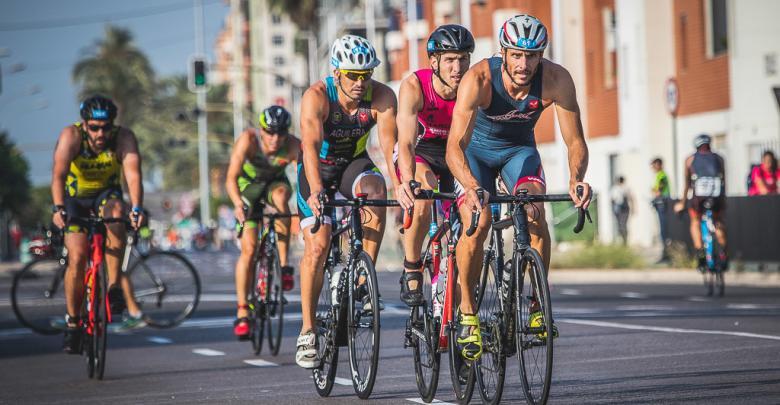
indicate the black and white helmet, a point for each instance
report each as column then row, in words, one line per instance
column 450, row 38
column 275, row 119
column 524, row 32
column 354, row 53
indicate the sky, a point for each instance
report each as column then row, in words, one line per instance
column 49, row 36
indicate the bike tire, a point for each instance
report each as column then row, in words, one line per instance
column 426, row 356
column 463, row 388
column 275, row 302
column 491, row 367
column 257, row 306
column 38, row 295
column 325, row 328
column 363, row 361
column 100, row 326
column 534, row 353
column 720, row 283
column 167, row 287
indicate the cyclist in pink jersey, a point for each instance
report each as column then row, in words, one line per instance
column 426, row 102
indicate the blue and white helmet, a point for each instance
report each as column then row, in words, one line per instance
column 524, row 32
column 354, row 53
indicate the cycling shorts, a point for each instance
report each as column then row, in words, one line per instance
column 433, row 155
column 84, row 207
column 696, row 206
column 257, row 195
column 515, row 164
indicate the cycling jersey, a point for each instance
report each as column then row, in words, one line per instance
column 503, row 138
column 346, row 135
column 260, row 174
column 706, row 175
column 91, row 173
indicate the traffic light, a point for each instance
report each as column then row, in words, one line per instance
column 197, row 79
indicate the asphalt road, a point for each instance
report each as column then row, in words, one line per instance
column 619, row 344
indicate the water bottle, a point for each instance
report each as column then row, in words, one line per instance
column 495, row 209
column 432, row 229
column 435, row 296
column 440, row 287
column 334, row 284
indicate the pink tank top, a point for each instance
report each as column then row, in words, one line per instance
column 436, row 115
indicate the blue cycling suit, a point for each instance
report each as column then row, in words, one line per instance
column 503, row 138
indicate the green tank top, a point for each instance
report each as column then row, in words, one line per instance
column 262, row 168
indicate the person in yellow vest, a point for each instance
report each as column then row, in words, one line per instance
column 90, row 158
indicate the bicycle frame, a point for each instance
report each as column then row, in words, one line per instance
column 707, row 233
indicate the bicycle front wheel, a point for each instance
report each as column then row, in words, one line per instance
column 363, row 325
column 167, row 288
column 325, row 329
column 491, row 366
column 461, row 373
column 275, row 302
column 257, row 307
column 534, row 337
column 100, row 323
column 38, row 296
column 426, row 351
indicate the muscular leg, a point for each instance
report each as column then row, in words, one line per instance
column 76, row 243
column 280, row 195
column 374, row 228
column 115, row 250
column 468, row 255
column 696, row 231
column 315, row 249
column 537, row 223
column 414, row 236
column 720, row 231
column 243, row 269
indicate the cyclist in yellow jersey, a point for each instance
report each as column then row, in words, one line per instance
column 89, row 159
column 256, row 177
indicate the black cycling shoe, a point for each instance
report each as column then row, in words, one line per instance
column 71, row 343
column 412, row 296
column 116, row 300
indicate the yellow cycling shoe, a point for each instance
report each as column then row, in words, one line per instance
column 470, row 337
column 536, row 321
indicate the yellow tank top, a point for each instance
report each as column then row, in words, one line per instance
column 91, row 173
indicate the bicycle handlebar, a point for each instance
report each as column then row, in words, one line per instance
column 270, row 216
column 359, row 201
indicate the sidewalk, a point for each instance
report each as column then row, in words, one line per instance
column 6, row 268
column 660, row 276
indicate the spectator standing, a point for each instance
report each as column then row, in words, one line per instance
column 764, row 177
column 661, row 194
column 621, row 206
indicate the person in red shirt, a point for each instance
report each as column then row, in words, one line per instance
column 764, row 177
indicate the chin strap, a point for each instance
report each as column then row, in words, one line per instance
column 438, row 69
column 510, row 75
column 345, row 93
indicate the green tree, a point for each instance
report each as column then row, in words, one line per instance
column 14, row 176
column 115, row 67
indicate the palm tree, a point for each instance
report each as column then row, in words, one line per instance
column 115, row 67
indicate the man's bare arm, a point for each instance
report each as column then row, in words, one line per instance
column 568, row 111
column 313, row 115
column 410, row 102
column 471, row 93
column 237, row 158
column 386, row 106
column 66, row 149
column 131, row 166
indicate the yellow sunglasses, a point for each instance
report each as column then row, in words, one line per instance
column 356, row 75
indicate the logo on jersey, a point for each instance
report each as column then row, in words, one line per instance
column 513, row 116
column 336, row 118
column 533, row 104
column 363, row 117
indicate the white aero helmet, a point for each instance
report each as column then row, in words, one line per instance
column 353, row 52
column 524, row 32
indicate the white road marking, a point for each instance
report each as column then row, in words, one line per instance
column 260, row 363
column 159, row 340
column 569, row 291
column 699, row 299
column 228, row 297
column 632, row 294
column 667, row 329
column 420, row 401
column 644, row 308
column 208, row 352
column 743, row 306
column 342, row 381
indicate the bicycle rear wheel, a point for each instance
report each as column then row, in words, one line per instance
column 325, row 329
column 363, row 325
column 534, row 343
column 38, row 297
column 167, row 287
column 275, row 302
column 427, row 358
column 257, row 306
column 462, row 375
column 491, row 367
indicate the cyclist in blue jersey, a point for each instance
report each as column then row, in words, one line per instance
column 337, row 114
column 492, row 133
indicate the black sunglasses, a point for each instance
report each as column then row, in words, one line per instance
column 104, row 127
column 271, row 132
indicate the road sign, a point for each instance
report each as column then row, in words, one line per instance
column 672, row 96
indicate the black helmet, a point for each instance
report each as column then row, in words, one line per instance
column 275, row 119
column 98, row 108
column 450, row 37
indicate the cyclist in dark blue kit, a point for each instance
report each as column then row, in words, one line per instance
column 492, row 133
